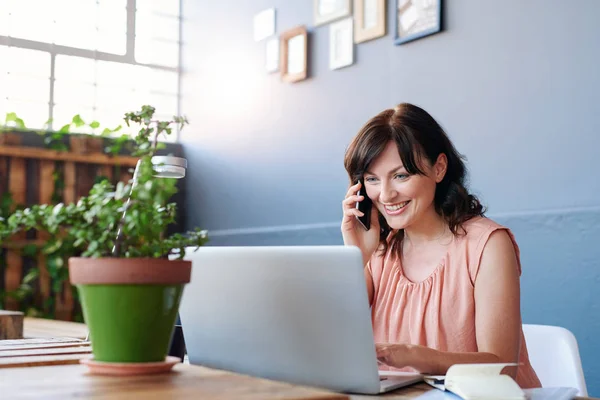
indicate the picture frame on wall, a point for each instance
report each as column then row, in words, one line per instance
column 272, row 55
column 341, row 44
column 264, row 24
column 416, row 19
column 369, row 20
column 294, row 54
column 326, row 11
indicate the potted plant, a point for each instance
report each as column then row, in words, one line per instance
column 130, row 275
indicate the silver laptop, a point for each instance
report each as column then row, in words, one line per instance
column 298, row 314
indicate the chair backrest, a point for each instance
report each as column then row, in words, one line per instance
column 554, row 355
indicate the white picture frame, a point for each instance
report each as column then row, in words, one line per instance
column 341, row 44
column 272, row 55
column 325, row 11
column 264, row 24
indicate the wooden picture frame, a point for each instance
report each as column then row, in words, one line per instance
column 369, row 20
column 416, row 19
column 294, row 54
column 325, row 11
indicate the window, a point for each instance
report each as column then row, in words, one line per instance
column 96, row 58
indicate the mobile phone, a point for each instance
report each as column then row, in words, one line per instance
column 364, row 206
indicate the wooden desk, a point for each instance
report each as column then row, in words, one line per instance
column 184, row 382
column 48, row 328
column 59, row 380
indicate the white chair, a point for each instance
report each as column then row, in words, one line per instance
column 554, row 356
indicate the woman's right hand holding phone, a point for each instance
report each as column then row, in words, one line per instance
column 353, row 232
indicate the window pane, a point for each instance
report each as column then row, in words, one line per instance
column 165, row 105
column 152, row 26
column 112, row 16
column 112, row 42
column 76, row 69
column 27, row 88
column 62, row 114
column 111, row 119
column 80, row 33
column 157, row 52
column 3, row 59
column 23, row 23
column 115, row 74
column 168, row 7
column 26, row 62
column 4, row 21
column 163, row 81
column 116, row 98
column 34, row 115
column 83, row 94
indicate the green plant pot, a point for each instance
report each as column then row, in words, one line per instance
column 129, row 305
column 130, row 323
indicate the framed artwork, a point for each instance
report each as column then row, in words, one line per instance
column 330, row 10
column 417, row 18
column 341, row 44
column 272, row 55
column 294, row 53
column 369, row 19
column 264, row 24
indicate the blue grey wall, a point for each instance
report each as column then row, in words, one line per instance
column 515, row 83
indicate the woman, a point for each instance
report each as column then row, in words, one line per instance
column 442, row 279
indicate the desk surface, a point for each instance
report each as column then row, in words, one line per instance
column 184, row 382
column 50, row 368
column 48, row 328
column 59, row 349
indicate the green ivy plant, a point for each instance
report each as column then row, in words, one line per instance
column 55, row 139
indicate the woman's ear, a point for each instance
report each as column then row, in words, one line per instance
column 440, row 167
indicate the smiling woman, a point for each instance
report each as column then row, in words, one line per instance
column 442, row 279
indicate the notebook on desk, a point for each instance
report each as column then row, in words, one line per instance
column 296, row 314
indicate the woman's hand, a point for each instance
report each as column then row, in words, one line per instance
column 353, row 232
column 395, row 355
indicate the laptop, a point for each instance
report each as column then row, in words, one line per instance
column 298, row 314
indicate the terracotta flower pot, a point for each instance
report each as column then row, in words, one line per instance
column 129, row 304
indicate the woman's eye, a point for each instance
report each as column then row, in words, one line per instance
column 401, row 176
column 370, row 179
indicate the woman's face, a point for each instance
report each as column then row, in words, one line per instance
column 401, row 198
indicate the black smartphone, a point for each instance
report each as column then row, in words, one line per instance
column 364, row 206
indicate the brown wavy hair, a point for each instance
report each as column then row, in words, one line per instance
column 417, row 135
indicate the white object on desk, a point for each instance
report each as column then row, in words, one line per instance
column 479, row 381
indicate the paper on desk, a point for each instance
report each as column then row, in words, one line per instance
column 438, row 395
column 561, row 393
column 558, row 393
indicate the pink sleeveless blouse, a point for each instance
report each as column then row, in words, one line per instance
column 438, row 312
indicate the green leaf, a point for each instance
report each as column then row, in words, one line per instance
column 94, row 124
column 31, row 276
column 77, row 121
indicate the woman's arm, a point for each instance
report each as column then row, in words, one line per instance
column 497, row 317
